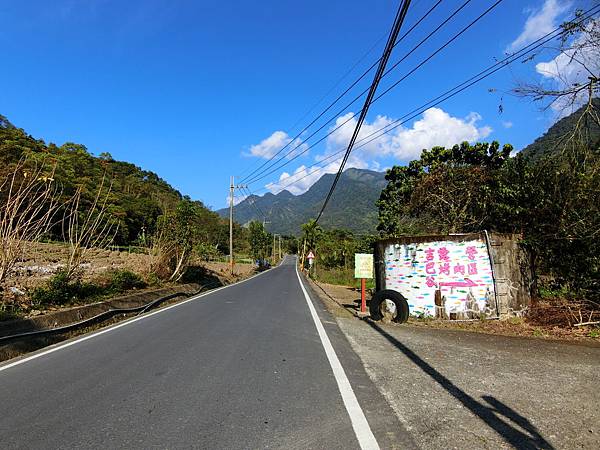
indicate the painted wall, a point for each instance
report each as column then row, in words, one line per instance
column 445, row 278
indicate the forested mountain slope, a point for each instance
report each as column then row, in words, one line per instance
column 137, row 197
column 352, row 205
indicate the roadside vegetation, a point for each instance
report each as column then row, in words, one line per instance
column 549, row 194
column 82, row 206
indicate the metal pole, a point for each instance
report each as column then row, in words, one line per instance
column 231, row 188
column 280, row 247
column 363, row 299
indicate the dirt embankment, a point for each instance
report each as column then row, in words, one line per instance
column 43, row 260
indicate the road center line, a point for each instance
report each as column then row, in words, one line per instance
column 361, row 427
column 92, row 335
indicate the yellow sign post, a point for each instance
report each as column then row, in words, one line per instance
column 363, row 269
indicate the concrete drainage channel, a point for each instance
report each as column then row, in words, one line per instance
column 26, row 335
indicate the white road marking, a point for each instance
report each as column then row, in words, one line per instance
column 361, row 427
column 85, row 337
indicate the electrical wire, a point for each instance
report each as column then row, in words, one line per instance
column 276, row 166
column 451, row 92
column 338, row 98
column 380, row 70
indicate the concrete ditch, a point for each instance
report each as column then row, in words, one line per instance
column 57, row 319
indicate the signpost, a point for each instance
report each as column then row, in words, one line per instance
column 363, row 269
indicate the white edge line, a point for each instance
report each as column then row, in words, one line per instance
column 85, row 337
column 361, row 427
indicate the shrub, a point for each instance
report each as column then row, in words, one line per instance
column 124, row 280
column 60, row 290
column 194, row 274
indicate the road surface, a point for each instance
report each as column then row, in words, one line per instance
column 247, row 366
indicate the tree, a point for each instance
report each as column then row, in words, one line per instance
column 259, row 240
column 87, row 228
column 446, row 190
column 557, row 203
column 310, row 233
column 571, row 78
column 177, row 234
column 26, row 212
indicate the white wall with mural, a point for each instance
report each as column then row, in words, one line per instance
column 460, row 272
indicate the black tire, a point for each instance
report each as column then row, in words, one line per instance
column 402, row 310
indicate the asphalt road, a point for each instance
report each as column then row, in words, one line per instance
column 242, row 367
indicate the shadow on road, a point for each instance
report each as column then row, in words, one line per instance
column 529, row 438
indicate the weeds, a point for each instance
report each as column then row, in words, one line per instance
column 342, row 277
column 9, row 311
column 63, row 289
column 124, row 280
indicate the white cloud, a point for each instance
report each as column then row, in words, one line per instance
column 302, row 179
column 507, row 124
column 237, row 199
column 436, row 127
column 574, row 65
column 540, row 22
column 269, row 147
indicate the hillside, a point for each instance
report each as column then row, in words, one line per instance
column 352, row 205
column 137, row 196
column 548, row 141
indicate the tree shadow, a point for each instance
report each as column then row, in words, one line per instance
column 526, row 436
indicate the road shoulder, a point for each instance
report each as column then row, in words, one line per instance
column 388, row 430
column 459, row 389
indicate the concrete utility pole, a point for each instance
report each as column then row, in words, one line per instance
column 232, row 188
column 279, row 236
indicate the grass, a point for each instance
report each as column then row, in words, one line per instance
column 61, row 290
column 595, row 333
column 9, row 311
column 341, row 277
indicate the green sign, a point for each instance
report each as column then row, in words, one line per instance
column 363, row 265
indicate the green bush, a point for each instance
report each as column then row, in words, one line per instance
column 61, row 290
column 9, row 311
column 124, row 280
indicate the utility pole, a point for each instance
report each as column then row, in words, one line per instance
column 279, row 236
column 232, row 188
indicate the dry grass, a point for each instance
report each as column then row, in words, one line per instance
column 43, row 260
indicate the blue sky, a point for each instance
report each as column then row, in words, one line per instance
column 200, row 90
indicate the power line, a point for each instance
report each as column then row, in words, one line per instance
column 253, row 203
column 276, row 166
column 380, row 70
column 338, row 98
column 333, row 87
column 451, row 92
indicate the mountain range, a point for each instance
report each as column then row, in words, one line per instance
column 352, row 205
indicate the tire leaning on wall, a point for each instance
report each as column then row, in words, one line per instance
column 380, row 297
